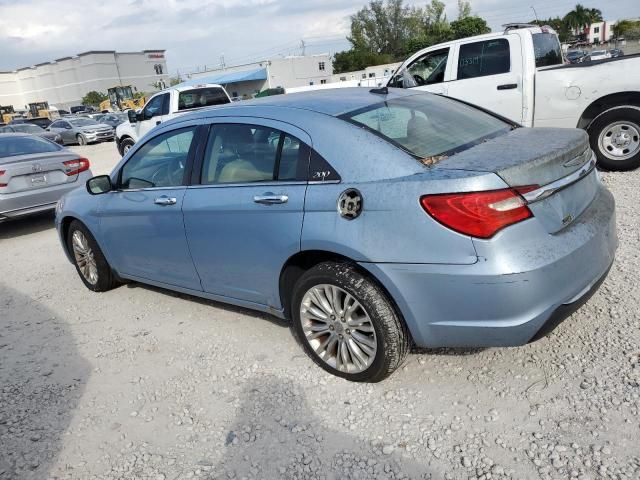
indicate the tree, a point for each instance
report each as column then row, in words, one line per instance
column 580, row 17
column 629, row 29
column 173, row 81
column 468, row 27
column 464, row 9
column 353, row 59
column 93, row 98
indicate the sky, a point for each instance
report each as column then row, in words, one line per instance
column 199, row 33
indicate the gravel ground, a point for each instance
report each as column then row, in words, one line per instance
column 141, row 383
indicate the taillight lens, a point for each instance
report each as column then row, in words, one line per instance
column 2, row 184
column 74, row 167
column 478, row 214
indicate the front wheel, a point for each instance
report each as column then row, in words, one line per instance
column 125, row 145
column 82, row 141
column 346, row 323
column 615, row 137
column 88, row 259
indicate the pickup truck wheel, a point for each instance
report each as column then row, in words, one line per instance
column 615, row 137
column 125, row 146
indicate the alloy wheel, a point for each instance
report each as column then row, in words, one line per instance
column 338, row 328
column 84, row 257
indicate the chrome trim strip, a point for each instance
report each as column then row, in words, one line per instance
column 562, row 183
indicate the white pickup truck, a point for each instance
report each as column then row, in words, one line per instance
column 521, row 74
column 165, row 105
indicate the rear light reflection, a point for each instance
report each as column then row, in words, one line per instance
column 479, row 214
column 1, row 183
column 74, row 167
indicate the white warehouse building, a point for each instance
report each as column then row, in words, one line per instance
column 63, row 82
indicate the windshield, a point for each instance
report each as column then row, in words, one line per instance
column 24, row 145
column 27, row 128
column 547, row 49
column 428, row 126
column 82, row 122
column 201, row 97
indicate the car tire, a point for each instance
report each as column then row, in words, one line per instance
column 363, row 317
column 615, row 138
column 90, row 263
column 125, row 145
column 82, row 141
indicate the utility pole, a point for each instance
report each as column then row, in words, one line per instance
column 536, row 14
column 222, row 61
column 303, row 46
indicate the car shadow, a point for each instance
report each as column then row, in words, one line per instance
column 276, row 434
column 212, row 303
column 42, row 378
column 27, row 225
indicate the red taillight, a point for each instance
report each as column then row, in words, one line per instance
column 1, row 183
column 74, row 167
column 478, row 214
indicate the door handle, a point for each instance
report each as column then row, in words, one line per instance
column 270, row 199
column 158, row 122
column 508, row 86
column 164, row 200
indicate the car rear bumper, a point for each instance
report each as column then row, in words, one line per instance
column 511, row 295
column 30, row 202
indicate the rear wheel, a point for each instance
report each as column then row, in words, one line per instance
column 90, row 263
column 346, row 323
column 81, row 139
column 615, row 137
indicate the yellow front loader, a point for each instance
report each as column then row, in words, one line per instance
column 121, row 98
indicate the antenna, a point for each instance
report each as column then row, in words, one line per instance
column 535, row 13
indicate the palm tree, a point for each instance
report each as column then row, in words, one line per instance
column 581, row 18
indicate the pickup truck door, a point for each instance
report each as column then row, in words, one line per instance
column 154, row 113
column 427, row 70
column 488, row 73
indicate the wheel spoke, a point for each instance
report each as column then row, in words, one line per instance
column 356, row 354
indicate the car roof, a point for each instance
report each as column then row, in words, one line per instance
column 330, row 101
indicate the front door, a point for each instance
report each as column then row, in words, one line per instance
column 245, row 218
column 488, row 73
column 426, row 71
column 141, row 221
column 153, row 114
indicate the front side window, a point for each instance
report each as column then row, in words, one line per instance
column 201, row 97
column 479, row 59
column 239, row 153
column 428, row 69
column 160, row 162
column 547, row 49
column 427, row 126
column 154, row 107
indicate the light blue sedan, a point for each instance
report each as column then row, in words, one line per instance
column 372, row 219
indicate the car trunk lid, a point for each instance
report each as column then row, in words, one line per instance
column 36, row 171
column 554, row 167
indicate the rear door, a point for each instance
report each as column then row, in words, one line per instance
column 488, row 73
column 244, row 220
column 141, row 222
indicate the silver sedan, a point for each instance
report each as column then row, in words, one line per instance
column 81, row 130
column 35, row 173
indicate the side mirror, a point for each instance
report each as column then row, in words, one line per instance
column 99, row 184
column 133, row 116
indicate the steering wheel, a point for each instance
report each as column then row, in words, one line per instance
column 419, row 80
column 169, row 174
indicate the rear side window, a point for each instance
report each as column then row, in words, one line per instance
column 428, row 126
column 201, row 97
column 547, row 49
column 479, row 59
column 242, row 153
column 25, row 145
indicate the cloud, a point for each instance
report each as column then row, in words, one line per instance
column 198, row 32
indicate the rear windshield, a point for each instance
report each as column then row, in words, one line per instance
column 27, row 128
column 201, row 97
column 428, row 126
column 25, row 145
column 547, row 49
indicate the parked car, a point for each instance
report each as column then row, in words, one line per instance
column 165, row 105
column 81, row 109
column 32, row 130
column 616, row 52
column 599, row 55
column 113, row 119
column 576, row 56
column 81, row 131
column 519, row 74
column 426, row 221
column 42, row 122
column 35, row 173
